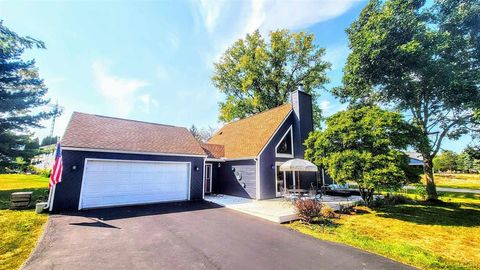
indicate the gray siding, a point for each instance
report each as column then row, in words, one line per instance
column 225, row 181
column 67, row 193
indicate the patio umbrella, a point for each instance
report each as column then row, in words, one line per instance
column 298, row 165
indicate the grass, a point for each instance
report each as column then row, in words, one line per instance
column 471, row 181
column 445, row 236
column 20, row 229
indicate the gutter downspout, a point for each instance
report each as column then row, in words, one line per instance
column 257, row 176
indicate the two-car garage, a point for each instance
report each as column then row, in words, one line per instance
column 116, row 162
column 121, row 182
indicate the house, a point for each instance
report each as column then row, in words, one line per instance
column 110, row 161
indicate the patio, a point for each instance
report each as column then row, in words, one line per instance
column 277, row 210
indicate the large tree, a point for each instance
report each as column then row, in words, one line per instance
column 364, row 145
column 22, row 94
column 256, row 76
column 422, row 59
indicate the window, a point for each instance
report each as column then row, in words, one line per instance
column 285, row 146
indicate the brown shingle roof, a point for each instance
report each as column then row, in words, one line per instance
column 248, row 136
column 213, row 150
column 108, row 133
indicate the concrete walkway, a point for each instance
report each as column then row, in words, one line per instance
column 276, row 210
column 459, row 190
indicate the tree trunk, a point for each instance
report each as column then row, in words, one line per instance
column 366, row 194
column 428, row 170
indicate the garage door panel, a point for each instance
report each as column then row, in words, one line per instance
column 109, row 183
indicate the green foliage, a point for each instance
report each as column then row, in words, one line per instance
column 256, row 76
column 42, row 172
column 469, row 160
column 49, row 140
column 22, row 93
column 422, row 58
column 364, row 146
column 445, row 161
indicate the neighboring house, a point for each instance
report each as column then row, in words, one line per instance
column 416, row 159
column 45, row 160
column 109, row 161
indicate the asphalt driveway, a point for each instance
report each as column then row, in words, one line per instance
column 191, row 235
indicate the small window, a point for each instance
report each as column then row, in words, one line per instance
column 285, row 147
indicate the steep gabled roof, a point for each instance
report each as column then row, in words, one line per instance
column 247, row 137
column 107, row 133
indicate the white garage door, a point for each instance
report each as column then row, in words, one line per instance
column 110, row 183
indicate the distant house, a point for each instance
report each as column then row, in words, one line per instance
column 45, row 160
column 416, row 159
column 110, row 161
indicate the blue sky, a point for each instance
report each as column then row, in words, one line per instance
column 152, row 60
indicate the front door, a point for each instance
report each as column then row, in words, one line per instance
column 208, row 178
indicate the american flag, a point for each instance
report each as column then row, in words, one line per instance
column 56, row 175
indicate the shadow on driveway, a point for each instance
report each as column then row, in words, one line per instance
column 114, row 213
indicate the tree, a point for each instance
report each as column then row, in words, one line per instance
column 49, row 140
column 422, row 59
column 363, row 145
column 22, row 95
column 446, row 161
column 256, row 76
column 469, row 159
column 203, row 134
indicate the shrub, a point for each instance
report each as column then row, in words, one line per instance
column 420, row 191
column 307, row 210
column 328, row 212
column 42, row 172
column 391, row 199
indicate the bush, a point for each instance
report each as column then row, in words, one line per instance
column 391, row 199
column 307, row 210
column 328, row 212
column 421, row 191
column 42, row 172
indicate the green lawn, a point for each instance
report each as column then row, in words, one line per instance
column 471, row 181
column 426, row 236
column 19, row 229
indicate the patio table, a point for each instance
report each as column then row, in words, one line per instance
column 298, row 190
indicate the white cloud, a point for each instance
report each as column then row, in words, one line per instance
column 210, row 12
column 119, row 92
column 147, row 102
column 325, row 105
column 228, row 21
column 337, row 56
column 273, row 14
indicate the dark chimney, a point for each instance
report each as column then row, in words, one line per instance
column 302, row 108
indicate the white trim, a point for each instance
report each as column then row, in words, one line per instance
column 281, row 155
column 274, row 133
column 135, row 161
column 51, row 200
column 278, row 163
column 130, row 152
column 257, row 179
column 211, row 173
column 236, row 159
column 215, row 160
column 203, row 180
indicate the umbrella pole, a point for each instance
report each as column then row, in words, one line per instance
column 285, row 181
column 294, row 180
